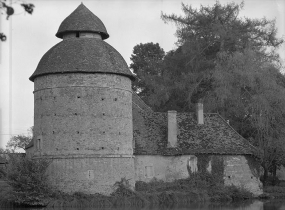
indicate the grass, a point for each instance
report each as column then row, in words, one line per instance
column 274, row 191
column 155, row 193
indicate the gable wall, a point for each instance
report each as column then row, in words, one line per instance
column 243, row 172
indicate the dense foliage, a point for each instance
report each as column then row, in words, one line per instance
column 198, row 187
column 146, row 64
column 229, row 63
column 28, row 180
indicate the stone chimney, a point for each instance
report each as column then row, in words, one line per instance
column 172, row 128
column 200, row 112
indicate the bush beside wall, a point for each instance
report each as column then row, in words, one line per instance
column 28, row 181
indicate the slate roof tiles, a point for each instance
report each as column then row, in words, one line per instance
column 82, row 19
column 215, row 136
column 82, row 56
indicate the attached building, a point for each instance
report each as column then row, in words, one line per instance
column 175, row 145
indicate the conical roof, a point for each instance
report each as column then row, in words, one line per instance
column 82, row 19
column 82, row 56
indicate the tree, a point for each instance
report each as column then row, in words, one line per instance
column 20, row 141
column 218, row 28
column 249, row 93
column 147, row 65
column 9, row 10
column 231, row 64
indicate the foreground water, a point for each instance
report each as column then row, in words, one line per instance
column 248, row 205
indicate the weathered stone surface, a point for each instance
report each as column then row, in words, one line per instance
column 83, row 114
column 167, row 168
column 238, row 172
column 90, row 174
column 84, row 123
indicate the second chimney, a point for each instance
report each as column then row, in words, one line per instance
column 172, row 128
column 200, row 112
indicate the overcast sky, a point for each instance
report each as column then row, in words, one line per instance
column 128, row 22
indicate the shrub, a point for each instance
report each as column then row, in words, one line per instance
column 238, row 193
column 200, row 186
column 274, row 189
column 123, row 189
column 2, row 172
column 28, row 180
column 199, row 180
column 270, row 181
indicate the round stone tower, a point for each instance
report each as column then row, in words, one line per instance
column 83, row 108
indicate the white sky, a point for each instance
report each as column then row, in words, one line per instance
column 128, row 22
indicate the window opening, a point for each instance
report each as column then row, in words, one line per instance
column 39, row 143
column 192, row 164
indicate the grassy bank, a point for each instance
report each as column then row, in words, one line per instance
column 274, row 192
column 28, row 186
column 155, row 193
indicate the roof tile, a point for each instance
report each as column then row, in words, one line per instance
column 215, row 136
column 86, row 55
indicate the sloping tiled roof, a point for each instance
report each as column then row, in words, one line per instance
column 139, row 103
column 82, row 19
column 215, row 136
column 82, row 56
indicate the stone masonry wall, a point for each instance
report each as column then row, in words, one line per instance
column 167, row 168
column 90, row 174
column 242, row 172
column 83, row 114
column 83, row 122
column 239, row 170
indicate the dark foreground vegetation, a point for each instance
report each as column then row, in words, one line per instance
column 25, row 183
